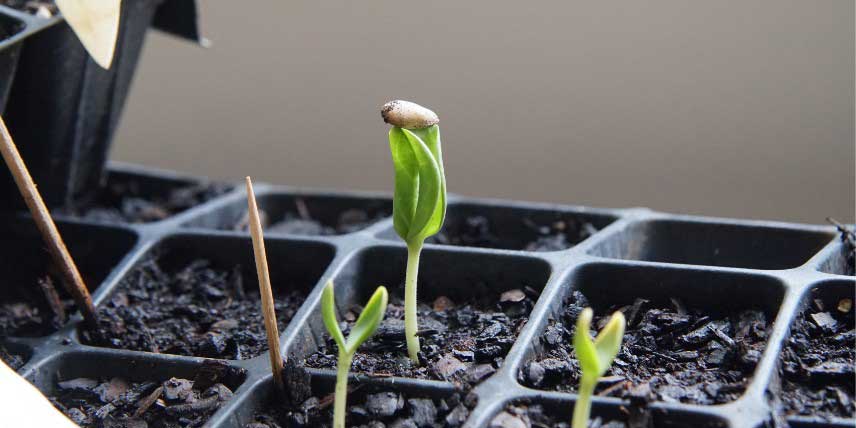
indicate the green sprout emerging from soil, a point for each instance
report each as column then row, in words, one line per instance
column 595, row 357
column 419, row 199
column 362, row 330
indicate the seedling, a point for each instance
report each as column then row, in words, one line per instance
column 363, row 329
column 419, row 199
column 595, row 357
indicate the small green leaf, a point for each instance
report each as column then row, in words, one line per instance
column 406, row 192
column 328, row 313
column 419, row 200
column 430, row 186
column 431, row 137
column 596, row 355
column 368, row 321
column 608, row 341
column 583, row 345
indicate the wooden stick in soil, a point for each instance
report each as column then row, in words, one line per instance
column 272, row 331
column 71, row 276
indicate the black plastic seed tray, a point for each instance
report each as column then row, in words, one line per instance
column 611, row 256
column 62, row 108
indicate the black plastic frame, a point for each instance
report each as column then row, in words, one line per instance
column 778, row 287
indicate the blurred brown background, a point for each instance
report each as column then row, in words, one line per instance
column 729, row 108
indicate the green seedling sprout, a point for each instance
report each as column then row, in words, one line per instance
column 419, row 199
column 363, row 329
column 595, row 357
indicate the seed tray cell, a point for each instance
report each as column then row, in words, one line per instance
column 522, row 228
column 299, row 214
column 556, row 412
column 714, row 244
column 714, row 264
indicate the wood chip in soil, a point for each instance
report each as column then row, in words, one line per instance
column 819, row 359
column 118, row 403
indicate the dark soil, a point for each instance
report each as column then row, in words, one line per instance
column 478, row 231
column 44, row 8
column 34, row 309
column 117, row 403
column 463, row 342
column 13, row 360
column 378, row 409
column 536, row 415
column 673, row 352
column 819, row 359
column 302, row 222
column 197, row 309
column 127, row 201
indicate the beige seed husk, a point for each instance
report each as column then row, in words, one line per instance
column 405, row 114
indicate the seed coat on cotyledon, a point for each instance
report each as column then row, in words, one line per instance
column 405, row 114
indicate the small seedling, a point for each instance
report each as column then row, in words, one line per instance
column 363, row 329
column 595, row 357
column 419, row 199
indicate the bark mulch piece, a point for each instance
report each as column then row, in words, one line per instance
column 478, row 231
column 33, row 310
column 128, row 201
column 463, row 342
column 377, row 409
column 677, row 353
column 118, row 403
column 198, row 309
column 819, row 360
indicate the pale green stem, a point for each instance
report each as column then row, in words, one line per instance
column 582, row 409
column 341, row 397
column 411, row 324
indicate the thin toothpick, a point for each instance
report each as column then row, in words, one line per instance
column 71, row 276
column 276, row 365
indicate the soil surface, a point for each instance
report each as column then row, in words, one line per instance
column 34, row 310
column 124, row 201
column 371, row 410
column 198, row 309
column 535, row 415
column 819, row 359
column 478, row 231
column 44, row 8
column 462, row 342
column 670, row 352
column 13, row 360
column 118, row 403
column 348, row 221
